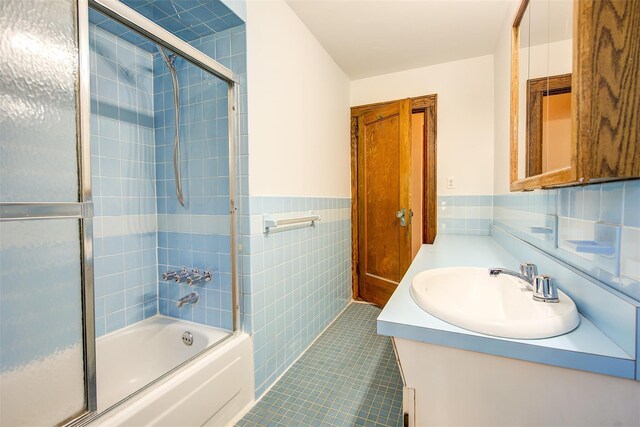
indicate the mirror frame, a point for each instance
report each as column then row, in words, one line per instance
column 564, row 176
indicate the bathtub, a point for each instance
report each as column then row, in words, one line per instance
column 209, row 390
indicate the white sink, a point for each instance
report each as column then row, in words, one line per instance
column 501, row 306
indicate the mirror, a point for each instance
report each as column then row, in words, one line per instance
column 544, row 52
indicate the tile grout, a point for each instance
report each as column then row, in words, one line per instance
column 347, row 377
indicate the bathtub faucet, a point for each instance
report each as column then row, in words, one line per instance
column 192, row 298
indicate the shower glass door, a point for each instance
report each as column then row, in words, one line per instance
column 67, row 73
column 46, row 350
column 162, row 156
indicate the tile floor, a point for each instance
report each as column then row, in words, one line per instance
column 348, row 377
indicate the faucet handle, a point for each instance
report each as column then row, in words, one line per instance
column 194, row 278
column 529, row 270
column 169, row 275
column 181, row 275
column 545, row 289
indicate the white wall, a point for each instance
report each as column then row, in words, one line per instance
column 465, row 116
column 298, row 108
column 502, row 99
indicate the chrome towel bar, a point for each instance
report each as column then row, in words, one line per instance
column 270, row 223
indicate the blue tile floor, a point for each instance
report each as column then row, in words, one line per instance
column 348, row 377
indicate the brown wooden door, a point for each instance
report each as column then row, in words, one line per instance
column 384, row 171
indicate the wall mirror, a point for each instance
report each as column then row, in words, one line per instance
column 544, row 50
column 574, row 98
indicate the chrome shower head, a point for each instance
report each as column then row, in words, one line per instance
column 170, row 59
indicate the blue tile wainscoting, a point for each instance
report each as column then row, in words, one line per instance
column 295, row 281
column 575, row 222
column 471, row 214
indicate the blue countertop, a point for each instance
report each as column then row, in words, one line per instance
column 586, row 348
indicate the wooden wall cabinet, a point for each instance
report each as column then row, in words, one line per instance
column 605, row 96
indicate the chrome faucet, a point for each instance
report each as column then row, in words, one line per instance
column 192, row 298
column 181, row 275
column 544, row 287
column 528, row 272
column 190, row 277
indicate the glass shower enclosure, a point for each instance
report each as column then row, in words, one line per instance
column 116, row 190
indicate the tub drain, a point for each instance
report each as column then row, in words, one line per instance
column 187, row 338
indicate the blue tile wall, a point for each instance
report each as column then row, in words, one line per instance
column 140, row 229
column 580, row 213
column 204, row 139
column 229, row 47
column 296, row 281
column 206, row 251
column 197, row 235
column 123, row 178
column 118, row 30
column 471, row 214
column 188, row 19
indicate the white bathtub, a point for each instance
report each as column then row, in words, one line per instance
column 211, row 389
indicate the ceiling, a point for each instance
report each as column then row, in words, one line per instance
column 373, row 37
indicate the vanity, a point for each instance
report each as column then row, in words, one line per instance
column 473, row 351
column 454, row 376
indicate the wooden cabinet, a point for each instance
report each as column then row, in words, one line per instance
column 603, row 137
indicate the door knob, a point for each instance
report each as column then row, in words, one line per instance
column 402, row 215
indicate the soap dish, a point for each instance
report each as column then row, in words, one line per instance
column 605, row 247
column 590, row 247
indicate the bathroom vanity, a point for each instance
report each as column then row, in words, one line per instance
column 453, row 376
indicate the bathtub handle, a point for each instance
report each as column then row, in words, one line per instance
column 194, row 278
column 207, row 276
column 185, row 276
column 181, row 275
column 169, row 275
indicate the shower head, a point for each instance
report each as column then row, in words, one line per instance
column 170, row 59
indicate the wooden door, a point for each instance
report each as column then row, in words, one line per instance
column 384, row 205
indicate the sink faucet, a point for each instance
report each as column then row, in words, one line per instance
column 192, row 298
column 528, row 272
column 544, row 287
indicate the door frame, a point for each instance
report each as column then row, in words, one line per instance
column 428, row 104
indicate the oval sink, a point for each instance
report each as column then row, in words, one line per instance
column 501, row 306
